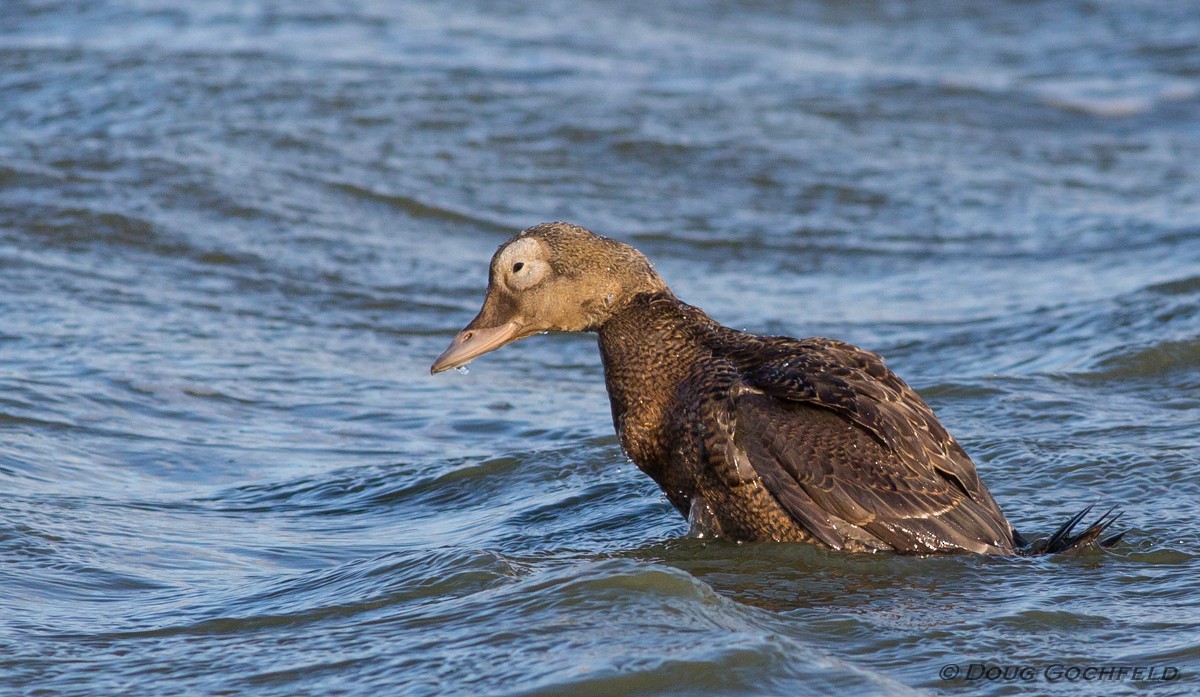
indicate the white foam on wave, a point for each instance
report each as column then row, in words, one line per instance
column 1112, row 98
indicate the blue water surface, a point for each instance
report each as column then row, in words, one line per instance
column 234, row 235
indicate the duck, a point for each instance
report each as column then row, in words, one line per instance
column 751, row 438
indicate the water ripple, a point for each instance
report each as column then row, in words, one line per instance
column 232, row 239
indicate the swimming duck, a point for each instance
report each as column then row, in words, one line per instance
column 751, row 438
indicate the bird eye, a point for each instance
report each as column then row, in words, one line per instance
column 518, row 266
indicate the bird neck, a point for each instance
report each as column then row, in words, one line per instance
column 648, row 348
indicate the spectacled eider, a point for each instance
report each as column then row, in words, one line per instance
column 751, row 438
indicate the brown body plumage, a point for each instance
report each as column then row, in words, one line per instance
column 751, row 438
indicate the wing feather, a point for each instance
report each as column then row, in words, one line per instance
column 846, row 446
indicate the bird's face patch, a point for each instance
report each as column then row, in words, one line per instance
column 526, row 288
column 517, row 304
column 521, row 265
column 551, row 277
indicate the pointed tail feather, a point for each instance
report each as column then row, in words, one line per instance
column 1063, row 540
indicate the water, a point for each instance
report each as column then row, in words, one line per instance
column 233, row 236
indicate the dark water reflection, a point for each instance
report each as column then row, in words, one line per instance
column 234, row 235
